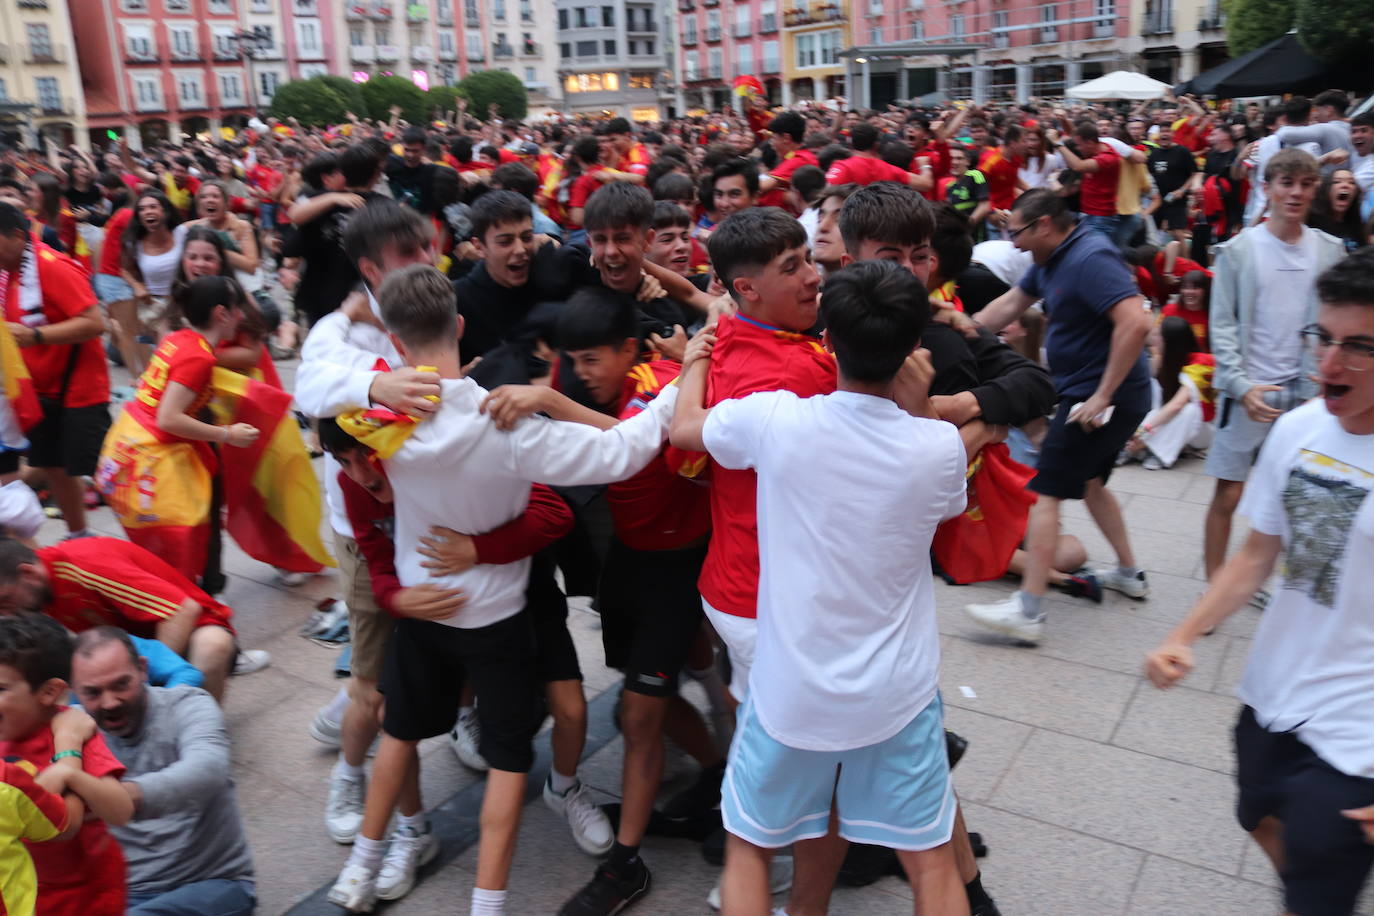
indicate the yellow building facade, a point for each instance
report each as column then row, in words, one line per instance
column 40, row 81
column 814, row 34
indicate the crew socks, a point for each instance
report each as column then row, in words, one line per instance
column 976, row 895
column 334, row 710
column 367, row 853
column 560, row 783
column 487, row 903
column 1128, row 572
column 344, row 768
column 418, row 821
column 1030, row 605
column 622, row 857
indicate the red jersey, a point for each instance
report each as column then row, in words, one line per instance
column 749, row 356
column 113, row 248
column 864, row 170
column 1001, row 171
column 658, row 508
column 264, row 178
column 99, row 581
column 1098, row 196
column 546, row 519
column 66, row 293
column 635, row 161
column 185, row 357
column 782, row 173
column 84, row 876
column 583, row 187
column 1197, row 320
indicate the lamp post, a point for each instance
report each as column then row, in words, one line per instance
column 249, row 42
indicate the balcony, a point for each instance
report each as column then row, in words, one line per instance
column 381, row 12
column 417, row 12
column 1104, row 28
column 713, row 34
column 186, row 56
column 45, row 54
column 1048, row 33
column 356, row 12
column 1211, row 19
column 689, row 40
column 742, row 30
column 304, row 8
column 147, row 105
column 531, row 49
column 476, row 57
column 448, row 54
column 33, row 4
column 713, row 72
column 686, row 6
column 388, row 53
column 768, row 23
column 192, row 104
column 363, row 54
column 471, row 20
column 149, row 56
column 771, row 65
column 502, row 52
column 421, row 52
column 61, row 106
column 444, row 16
column 1157, row 22
column 828, row 12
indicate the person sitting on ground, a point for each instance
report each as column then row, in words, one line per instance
column 185, row 851
column 1181, row 392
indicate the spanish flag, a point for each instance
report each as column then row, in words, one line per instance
column 19, row 388
column 270, row 492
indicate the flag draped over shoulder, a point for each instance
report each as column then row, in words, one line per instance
column 270, row 492
column 19, row 390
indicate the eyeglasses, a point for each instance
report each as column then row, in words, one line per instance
column 1355, row 355
column 1013, row 233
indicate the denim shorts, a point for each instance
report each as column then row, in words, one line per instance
column 109, row 288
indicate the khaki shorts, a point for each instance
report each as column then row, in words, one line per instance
column 369, row 627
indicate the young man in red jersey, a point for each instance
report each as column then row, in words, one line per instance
column 864, row 167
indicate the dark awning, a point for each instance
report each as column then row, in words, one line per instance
column 1279, row 67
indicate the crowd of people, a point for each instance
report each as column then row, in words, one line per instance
column 751, row 381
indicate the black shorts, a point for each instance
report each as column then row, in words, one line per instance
column 1070, row 456
column 1172, row 215
column 69, row 437
column 555, row 656
column 1327, row 859
column 9, row 461
column 650, row 614
column 427, row 665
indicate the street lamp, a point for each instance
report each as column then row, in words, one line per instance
column 249, row 43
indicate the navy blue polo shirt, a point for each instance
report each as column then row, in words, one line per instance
column 1078, row 285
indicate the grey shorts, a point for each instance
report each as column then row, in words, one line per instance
column 1238, row 439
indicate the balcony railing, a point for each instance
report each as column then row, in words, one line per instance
column 448, row 53
column 713, row 34
column 1157, row 22
column 33, row 4
column 689, row 40
column 531, row 49
column 421, row 52
column 741, row 30
column 185, row 56
column 1104, row 28
column 388, row 52
column 476, row 57
column 500, row 51
column 151, row 56
column 149, row 105
column 355, row 12
column 192, row 104
column 1210, row 19
column 1048, row 33
column 829, row 12
column 364, row 54
column 768, row 22
column 772, row 65
column 45, row 54
column 417, row 12
column 444, row 16
column 61, row 106
column 381, row 12
column 471, row 19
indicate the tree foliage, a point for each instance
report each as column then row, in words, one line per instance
column 442, row 99
column 348, row 90
column 382, row 92
column 1340, row 32
column 487, row 87
column 309, row 102
column 1253, row 23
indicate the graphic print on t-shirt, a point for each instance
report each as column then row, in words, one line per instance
column 1322, row 498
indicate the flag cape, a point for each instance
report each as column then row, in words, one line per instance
column 978, row 545
column 19, row 388
column 270, row 491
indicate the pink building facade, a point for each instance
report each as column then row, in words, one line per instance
column 718, row 41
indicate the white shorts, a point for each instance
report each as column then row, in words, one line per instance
column 739, row 634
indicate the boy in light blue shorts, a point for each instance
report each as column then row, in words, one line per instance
column 843, row 719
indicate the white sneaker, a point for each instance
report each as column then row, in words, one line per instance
column 466, row 738
column 1005, row 617
column 356, row 889
column 251, row 660
column 343, row 814
column 590, row 828
column 779, row 879
column 410, row 851
column 325, row 730
column 1130, row 586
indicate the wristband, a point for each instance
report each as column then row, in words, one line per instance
column 61, row 754
column 38, row 336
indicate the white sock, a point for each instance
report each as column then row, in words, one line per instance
column 487, row 903
column 560, row 783
column 716, row 692
column 334, row 709
column 367, row 853
column 344, row 768
column 418, row 821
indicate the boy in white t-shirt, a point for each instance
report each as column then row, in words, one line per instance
column 843, row 710
column 1305, row 739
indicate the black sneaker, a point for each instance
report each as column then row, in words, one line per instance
column 698, row 798
column 609, row 891
column 1083, row 584
column 987, row 909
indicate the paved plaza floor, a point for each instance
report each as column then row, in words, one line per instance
column 1096, row 793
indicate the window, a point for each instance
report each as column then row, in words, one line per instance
column 608, row 47
column 498, row 10
column 956, row 25
column 562, row 20
column 470, row 12
column 1048, row 15
column 608, row 16
column 446, row 43
column 768, row 16
column 649, row 48
column 689, row 35
column 526, row 11
column 742, row 23
column 267, row 41
column 875, row 35
column 178, row 6
column 309, row 71
column 771, row 62
column 592, row 82
column 49, row 93
column 875, row 7
column 355, row 37
column 632, row 48
column 230, row 89
column 40, row 40
column 382, row 34
column 716, row 68
column 818, row 49
column 564, row 50
column 713, row 25
column 189, row 92
column 183, row 42
column 148, row 93
column 448, row 74
column 529, row 74
column 4, row 92
column 918, row 30
column 221, row 7
column 262, row 6
column 586, row 49
column 415, row 39
column 134, row 6
column 308, row 37
column 1000, row 37
column 689, row 69
column 744, row 59
column 268, row 81
column 474, row 40
column 138, row 39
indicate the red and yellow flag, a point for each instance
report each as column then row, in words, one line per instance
column 18, row 383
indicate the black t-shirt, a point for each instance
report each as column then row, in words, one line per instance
column 1218, row 165
column 413, row 186
column 1171, row 167
column 328, row 275
column 89, row 199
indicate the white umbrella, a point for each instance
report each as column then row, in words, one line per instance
column 1120, row 84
